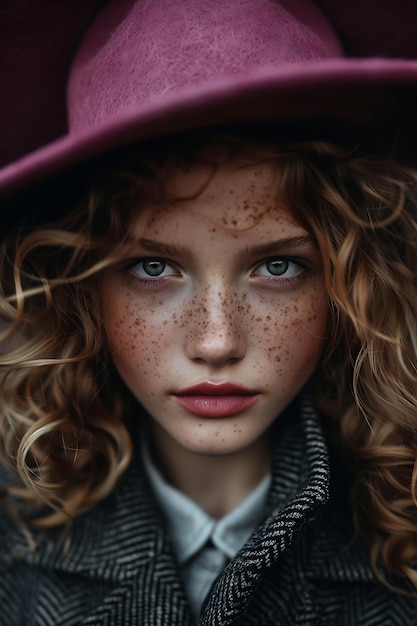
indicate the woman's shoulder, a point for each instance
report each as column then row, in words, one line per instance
column 12, row 540
column 4, row 475
column 7, row 524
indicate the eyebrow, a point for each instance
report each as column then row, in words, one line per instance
column 160, row 247
column 278, row 246
column 281, row 246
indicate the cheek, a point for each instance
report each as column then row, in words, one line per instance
column 292, row 335
column 137, row 336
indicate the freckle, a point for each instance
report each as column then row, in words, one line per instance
column 259, row 319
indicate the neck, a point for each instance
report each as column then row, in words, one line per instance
column 218, row 483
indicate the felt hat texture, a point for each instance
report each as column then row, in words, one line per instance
column 140, row 69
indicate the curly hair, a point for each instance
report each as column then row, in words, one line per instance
column 62, row 429
column 362, row 210
column 64, row 412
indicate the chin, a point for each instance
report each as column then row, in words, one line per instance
column 218, row 444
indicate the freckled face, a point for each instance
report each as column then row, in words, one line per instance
column 222, row 288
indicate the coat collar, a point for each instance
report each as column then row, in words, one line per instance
column 300, row 487
column 126, row 532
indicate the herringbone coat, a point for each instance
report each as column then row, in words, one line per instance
column 301, row 567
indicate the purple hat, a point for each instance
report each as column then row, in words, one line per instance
column 145, row 68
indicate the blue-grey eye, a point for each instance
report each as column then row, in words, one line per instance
column 279, row 266
column 153, row 267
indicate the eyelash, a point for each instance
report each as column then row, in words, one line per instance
column 275, row 279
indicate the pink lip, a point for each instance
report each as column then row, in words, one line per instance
column 216, row 400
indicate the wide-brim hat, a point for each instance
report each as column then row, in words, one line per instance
column 146, row 68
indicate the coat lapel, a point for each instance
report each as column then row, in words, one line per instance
column 118, row 566
column 300, row 487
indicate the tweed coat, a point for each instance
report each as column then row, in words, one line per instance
column 301, row 566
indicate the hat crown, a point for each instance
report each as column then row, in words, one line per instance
column 139, row 52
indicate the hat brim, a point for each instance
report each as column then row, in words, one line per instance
column 334, row 93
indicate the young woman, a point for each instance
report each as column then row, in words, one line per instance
column 208, row 373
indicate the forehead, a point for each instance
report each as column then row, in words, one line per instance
column 235, row 196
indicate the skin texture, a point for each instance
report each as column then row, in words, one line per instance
column 215, row 313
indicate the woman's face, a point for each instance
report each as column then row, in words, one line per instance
column 217, row 316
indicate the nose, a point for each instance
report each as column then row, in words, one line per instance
column 215, row 333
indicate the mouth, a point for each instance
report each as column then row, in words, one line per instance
column 216, row 400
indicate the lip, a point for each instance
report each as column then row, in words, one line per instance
column 216, row 389
column 216, row 400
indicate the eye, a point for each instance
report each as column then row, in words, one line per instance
column 279, row 266
column 152, row 268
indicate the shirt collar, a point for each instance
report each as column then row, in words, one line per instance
column 191, row 527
